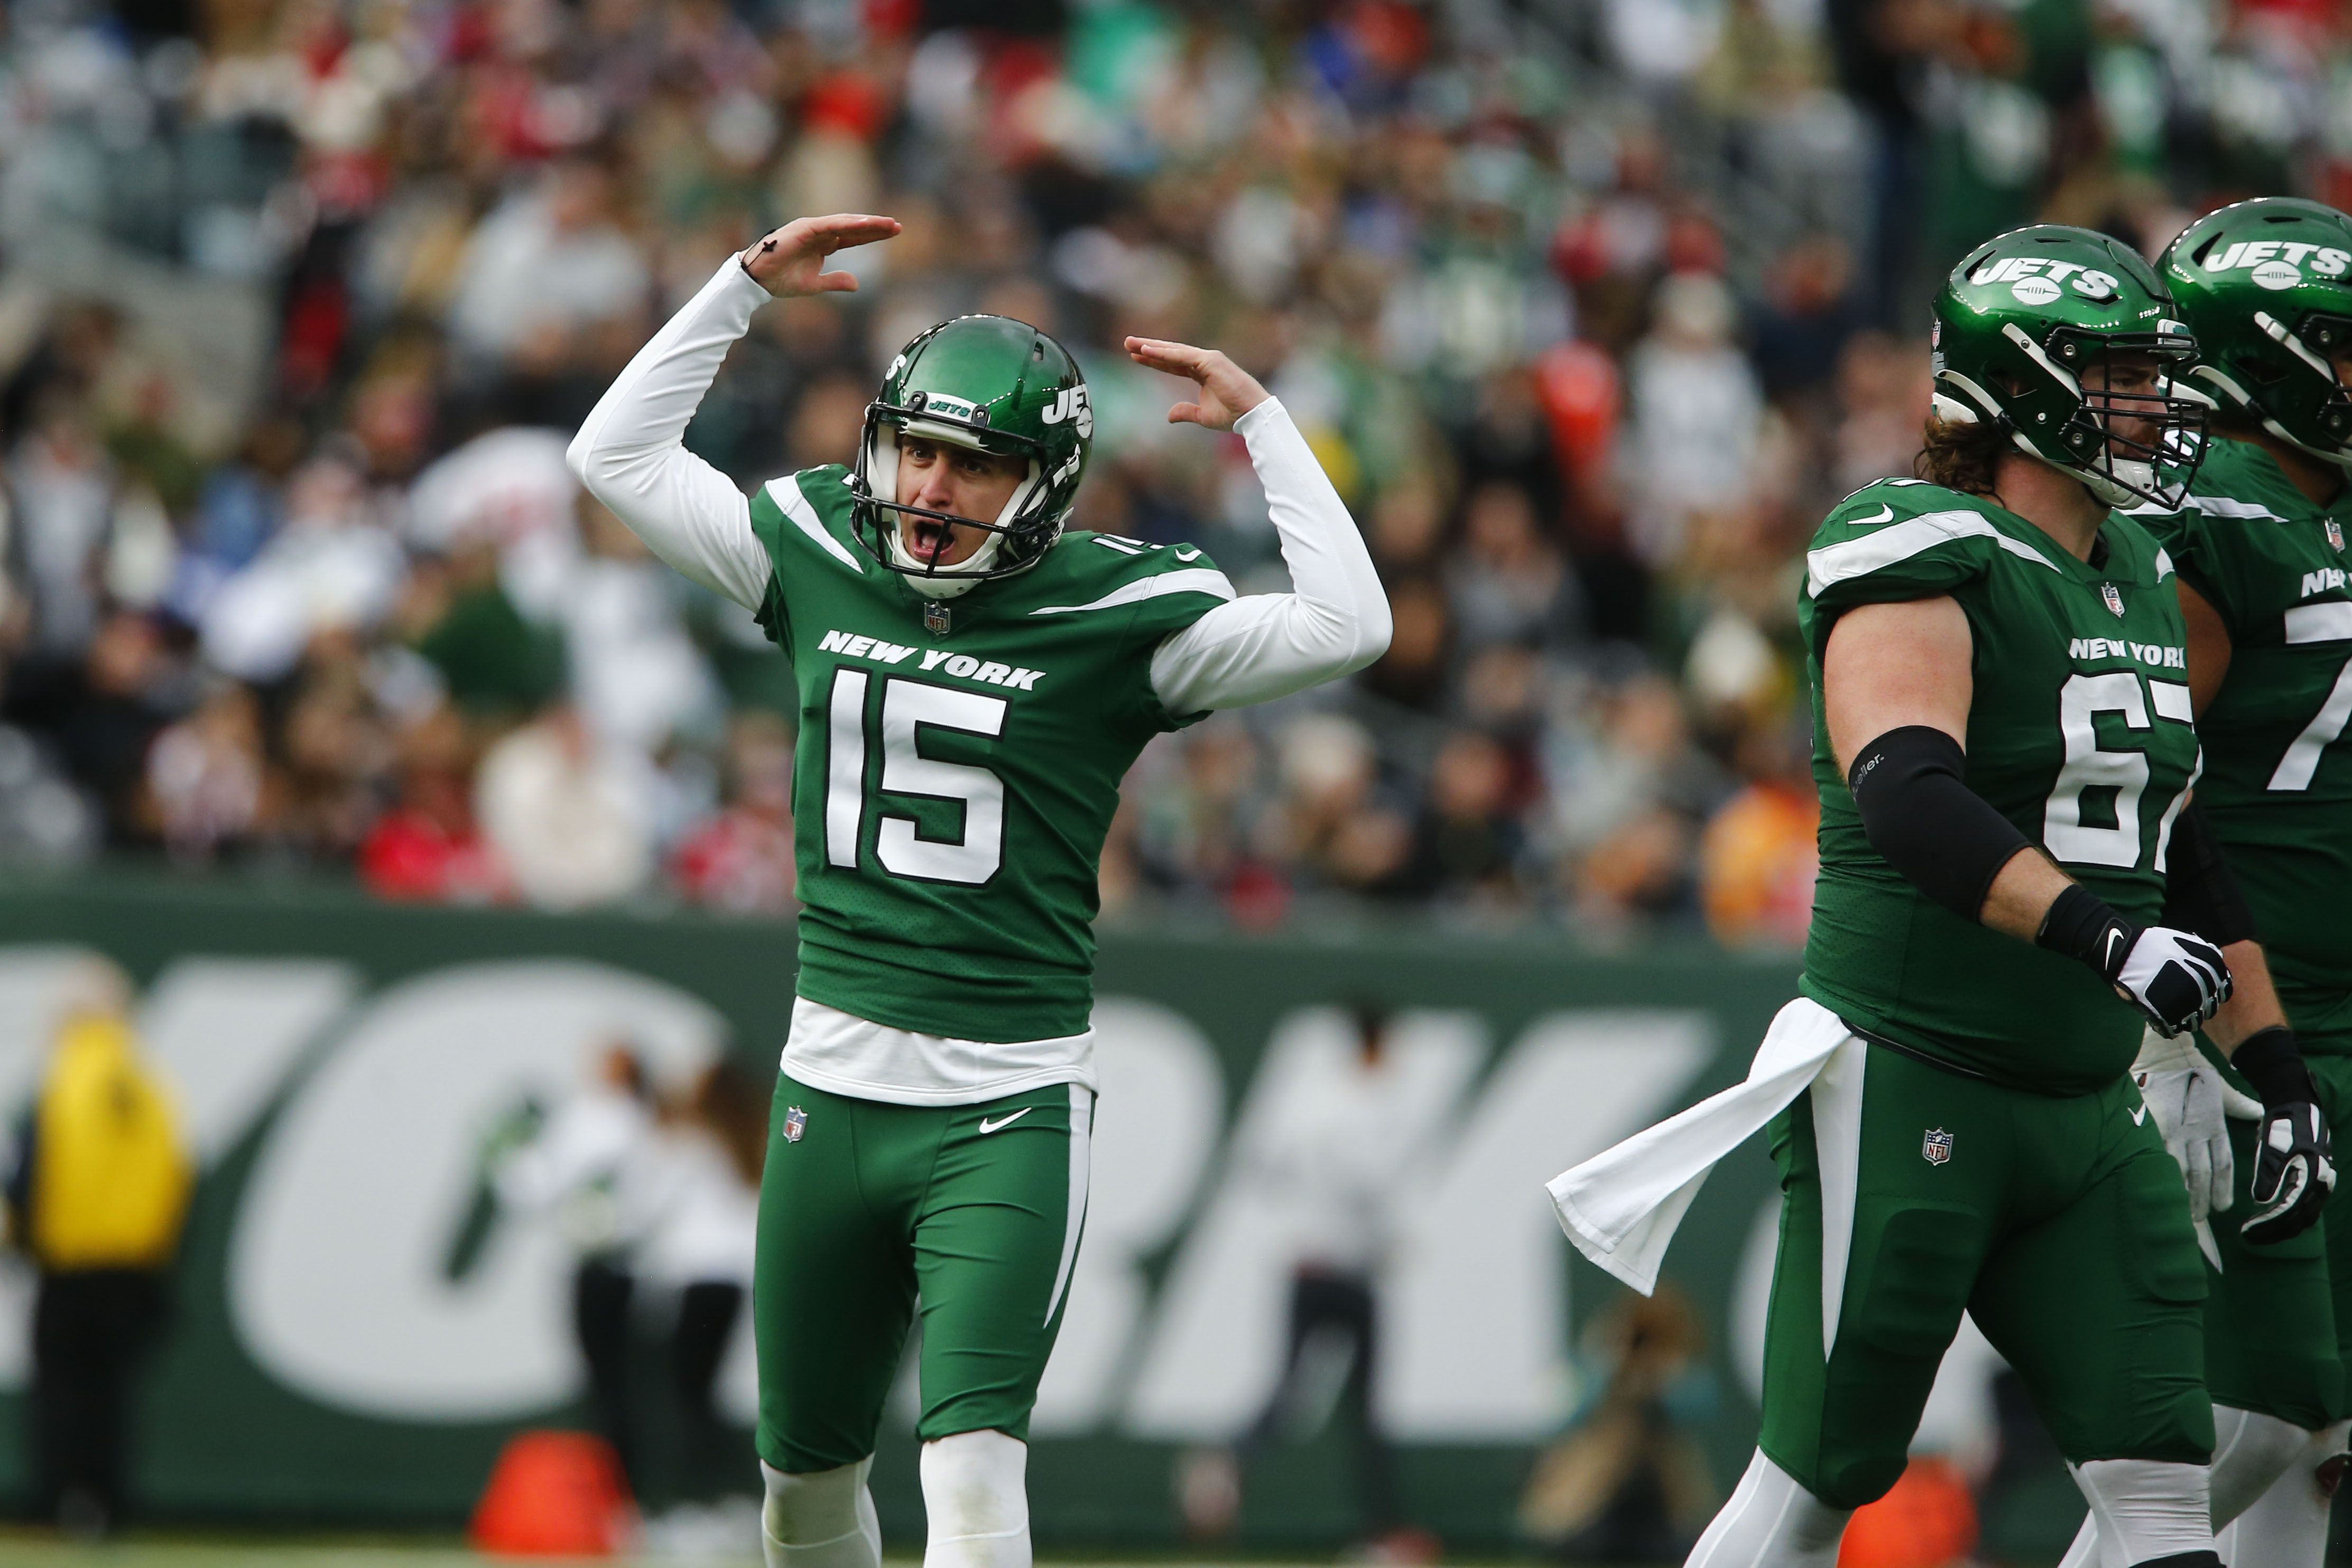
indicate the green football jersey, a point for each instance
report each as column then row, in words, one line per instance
column 2079, row 733
column 2277, row 786
column 960, row 761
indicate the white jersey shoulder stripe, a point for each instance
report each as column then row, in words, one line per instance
column 785, row 491
column 2245, row 511
column 1198, row 579
column 1835, row 563
column 2163, row 563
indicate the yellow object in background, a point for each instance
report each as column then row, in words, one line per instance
column 111, row 1175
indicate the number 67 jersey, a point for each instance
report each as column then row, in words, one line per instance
column 2079, row 732
column 2277, row 784
column 959, row 763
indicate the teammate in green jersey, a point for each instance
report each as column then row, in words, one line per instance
column 2002, row 742
column 2266, row 286
column 974, row 679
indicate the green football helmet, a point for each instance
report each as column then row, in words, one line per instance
column 2267, row 286
column 983, row 382
column 2028, row 315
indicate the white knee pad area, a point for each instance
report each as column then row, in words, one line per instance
column 2147, row 1509
column 2250, row 1451
column 975, row 1490
column 2286, row 1526
column 1771, row 1523
column 823, row 1519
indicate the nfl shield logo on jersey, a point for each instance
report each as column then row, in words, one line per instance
column 1936, row 1147
column 936, row 619
column 796, row 1123
column 2335, row 535
column 2114, row 598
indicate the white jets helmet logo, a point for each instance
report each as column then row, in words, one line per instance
column 1071, row 403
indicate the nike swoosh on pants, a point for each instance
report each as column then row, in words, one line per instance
column 987, row 1126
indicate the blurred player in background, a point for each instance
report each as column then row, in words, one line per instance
column 595, row 1164
column 701, row 1252
column 974, row 682
column 97, row 1200
column 2266, row 286
column 1339, row 1175
column 2001, row 694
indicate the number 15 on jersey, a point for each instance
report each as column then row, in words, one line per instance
column 855, row 775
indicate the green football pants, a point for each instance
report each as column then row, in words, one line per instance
column 2059, row 1224
column 2275, row 1316
column 866, row 1207
column 2278, row 1328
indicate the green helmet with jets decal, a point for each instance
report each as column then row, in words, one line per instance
column 983, row 382
column 2025, row 330
column 2267, row 286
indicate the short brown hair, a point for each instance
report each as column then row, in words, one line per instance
column 1963, row 457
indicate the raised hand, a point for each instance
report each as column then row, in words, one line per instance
column 791, row 260
column 1227, row 391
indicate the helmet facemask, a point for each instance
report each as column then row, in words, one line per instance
column 2127, row 447
column 2308, row 348
column 1017, row 538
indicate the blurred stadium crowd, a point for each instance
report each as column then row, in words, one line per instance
column 1590, row 307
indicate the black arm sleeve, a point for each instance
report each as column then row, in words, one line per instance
column 1920, row 814
column 2199, row 894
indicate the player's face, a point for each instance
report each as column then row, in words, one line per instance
column 939, row 477
column 2134, row 376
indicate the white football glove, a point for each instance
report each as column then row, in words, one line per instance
column 2189, row 1101
column 2175, row 978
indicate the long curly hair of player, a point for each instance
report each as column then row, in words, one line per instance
column 1963, row 457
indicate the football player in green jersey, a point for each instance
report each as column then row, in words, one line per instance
column 974, row 679
column 2266, row 286
column 2003, row 743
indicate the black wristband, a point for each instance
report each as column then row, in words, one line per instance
column 1922, row 817
column 2082, row 925
column 2199, row 894
column 2270, row 1060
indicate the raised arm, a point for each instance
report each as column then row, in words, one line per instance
column 628, row 452
column 1336, row 618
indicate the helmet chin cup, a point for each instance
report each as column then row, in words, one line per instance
column 951, row 582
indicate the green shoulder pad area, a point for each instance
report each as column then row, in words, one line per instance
column 1902, row 540
column 2237, row 485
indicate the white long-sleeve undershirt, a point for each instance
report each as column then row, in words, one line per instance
column 1248, row 650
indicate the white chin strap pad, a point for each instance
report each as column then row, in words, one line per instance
column 2131, row 470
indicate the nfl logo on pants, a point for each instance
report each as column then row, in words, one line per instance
column 796, row 1123
column 1936, row 1147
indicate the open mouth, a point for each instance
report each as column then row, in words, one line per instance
column 930, row 540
